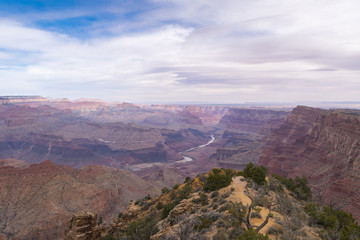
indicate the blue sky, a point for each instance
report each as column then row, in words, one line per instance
column 228, row 51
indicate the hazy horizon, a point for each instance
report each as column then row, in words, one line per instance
column 177, row 51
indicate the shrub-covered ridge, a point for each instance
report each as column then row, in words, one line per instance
column 227, row 204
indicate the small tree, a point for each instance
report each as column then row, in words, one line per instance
column 257, row 174
column 217, row 180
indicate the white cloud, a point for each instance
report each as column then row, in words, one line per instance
column 235, row 50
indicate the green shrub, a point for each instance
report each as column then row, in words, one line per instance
column 108, row 237
column 252, row 235
column 214, row 194
column 220, row 235
column 334, row 221
column 167, row 208
column 164, row 190
column 142, row 229
column 147, row 197
column 159, row 206
column 257, row 174
column 205, row 223
column 275, row 230
column 217, row 180
column 298, row 186
column 256, row 215
column 188, row 180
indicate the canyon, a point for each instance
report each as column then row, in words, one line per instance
column 60, row 156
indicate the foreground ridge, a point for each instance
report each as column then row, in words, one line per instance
column 230, row 204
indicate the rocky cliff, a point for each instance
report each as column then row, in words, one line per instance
column 323, row 146
column 83, row 226
column 36, row 202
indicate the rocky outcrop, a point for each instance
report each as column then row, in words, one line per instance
column 323, row 146
column 36, row 202
column 83, row 226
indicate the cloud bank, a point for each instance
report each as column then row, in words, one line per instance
column 228, row 51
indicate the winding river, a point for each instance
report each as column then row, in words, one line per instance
column 189, row 159
column 185, row 159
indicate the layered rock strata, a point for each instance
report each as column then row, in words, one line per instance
column 323, row 146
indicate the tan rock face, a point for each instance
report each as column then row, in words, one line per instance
column 83, row 226
column 323, row 146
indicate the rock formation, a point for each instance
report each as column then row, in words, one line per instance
column 83, row 226
column 323, row 146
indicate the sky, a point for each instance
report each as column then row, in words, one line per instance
column 168, row 51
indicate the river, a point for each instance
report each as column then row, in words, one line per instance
column 189, row 159
column 185, row 159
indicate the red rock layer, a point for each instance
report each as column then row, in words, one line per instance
column 36, row 202
column 323, row 146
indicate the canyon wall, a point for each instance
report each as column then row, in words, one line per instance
column 36, row 202
column 323, row 145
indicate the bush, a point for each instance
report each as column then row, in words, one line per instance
column 205, row 223
column 275, row 230
column 285, row 204
column 176, row 186
column 257, row 174
column 226, row 195
column 159, row 206
column 202, row 199
column 164, row 190
column 108, row 237
column 147, row 197
column 217, row 180
column 275, row 185
column 256, row 215
column 220, row 235
column 167, row 208
column 334, row 220
column 298, row 186
column 188, row 180
column 223, row 208
column 142, row 229
column 214, row 194
column 252, row 235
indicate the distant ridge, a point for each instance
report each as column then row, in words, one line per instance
column 21, row 99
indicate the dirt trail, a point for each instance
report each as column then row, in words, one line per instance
column 238, row 195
